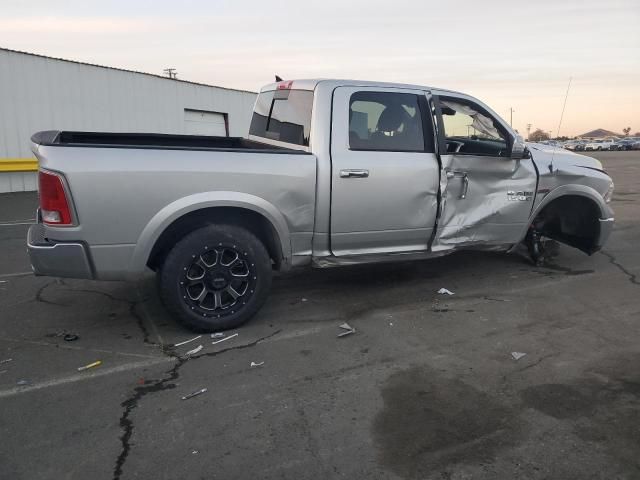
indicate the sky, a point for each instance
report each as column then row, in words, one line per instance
column 510, row 54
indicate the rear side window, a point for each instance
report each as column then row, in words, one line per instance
column 386, row 121
column 283, row 115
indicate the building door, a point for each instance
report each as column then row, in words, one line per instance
column 201, row 122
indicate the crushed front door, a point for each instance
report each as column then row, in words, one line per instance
column 486, row 196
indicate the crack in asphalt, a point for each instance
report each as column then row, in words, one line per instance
column 40, row 292
column 133, row 304
column 633, row 278
column 153, row 386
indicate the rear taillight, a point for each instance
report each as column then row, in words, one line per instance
column 54, row 205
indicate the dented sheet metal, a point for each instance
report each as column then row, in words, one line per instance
column 559, row 167
column 484, row 200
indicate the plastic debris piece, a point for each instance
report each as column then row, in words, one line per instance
column 194, row 394
column 517, row 355
column 225, row 339
column 217, row 335
column 3, row 371
column 187, row 341
column 70, row 337
column 304, row 299
column 194, row 351
column 91, row 365
column 6, row 360
column 348, row 330
column 254, row 364
column 444, row 291
column 195, row 452
column 23, row 382
column 3, row 281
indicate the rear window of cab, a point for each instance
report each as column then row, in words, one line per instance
column 283, row 115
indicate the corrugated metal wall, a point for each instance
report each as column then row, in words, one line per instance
column 41, row 93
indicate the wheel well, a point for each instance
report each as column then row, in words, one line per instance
column 241, row 217
column 571, row 219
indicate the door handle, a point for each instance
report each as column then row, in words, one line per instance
column 465, row 180
column 354, row 173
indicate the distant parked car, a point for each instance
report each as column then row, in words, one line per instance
column 579, row 146
column 624, row 144
column 571, row 144
column 599, row 145
column 632, row 144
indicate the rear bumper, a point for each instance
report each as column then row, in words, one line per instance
column 57, row 259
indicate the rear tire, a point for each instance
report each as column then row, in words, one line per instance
column 215, row 278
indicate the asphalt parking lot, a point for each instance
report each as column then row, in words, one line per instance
column 426, row 387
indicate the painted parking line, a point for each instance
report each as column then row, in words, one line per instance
column 59, row 346
column 18, row 274
column 78, row 377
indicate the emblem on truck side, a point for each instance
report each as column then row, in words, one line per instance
column 519, row 196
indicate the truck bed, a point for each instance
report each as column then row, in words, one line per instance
column 153, row 141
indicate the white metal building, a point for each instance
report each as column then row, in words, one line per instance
column 45, row 93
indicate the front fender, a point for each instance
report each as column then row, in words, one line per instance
column 199, row 201
column 571, row 189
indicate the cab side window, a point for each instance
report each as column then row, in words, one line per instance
column 391, row 122
column 469, row 130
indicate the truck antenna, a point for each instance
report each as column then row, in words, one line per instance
column 553, row 152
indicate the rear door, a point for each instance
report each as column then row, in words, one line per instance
column 385, row 174
column 486, row 196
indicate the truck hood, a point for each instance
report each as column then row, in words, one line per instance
column 562, row 159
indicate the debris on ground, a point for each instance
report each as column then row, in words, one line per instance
column 194, row 394
column 225, row 339
column 194, row 351
column 70, row 337
column 348, row 330
column 187, row 341
column 91, row 365
column 444, row 291
column 3, row 371
column 195, row 452
column 304, row 299
column 23, row 382
column 254, row 364
column 217, row 335
column 6, row 360
column 517, row 355
column 496, row 299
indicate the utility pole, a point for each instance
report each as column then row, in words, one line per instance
column 528, row 130
column 171, row 73
column 511, row 110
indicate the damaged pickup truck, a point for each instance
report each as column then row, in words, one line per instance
column 332, row 173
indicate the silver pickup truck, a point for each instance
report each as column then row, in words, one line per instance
column 333, row 172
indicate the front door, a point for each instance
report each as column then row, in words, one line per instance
column 486, row 196
column 385, row 175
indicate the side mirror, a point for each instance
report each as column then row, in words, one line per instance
column 519, row 149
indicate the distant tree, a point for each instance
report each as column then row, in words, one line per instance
column 537, row 135
column 626, row 131
column 562, row 138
